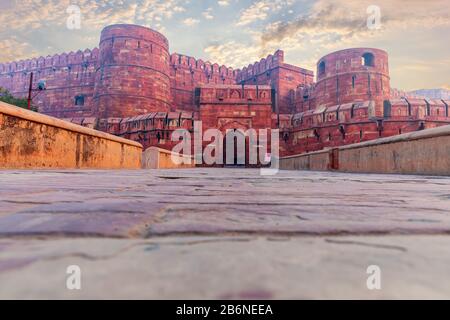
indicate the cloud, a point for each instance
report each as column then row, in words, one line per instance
column 223, row 3
column 348, row 19
column 260, row 10
column 190, row 22
column 12, row 50
column 234, row 54
column 32, row 14
column 46, row 19
column 40, row 13
column 246, row 31
column 207, row 14
column 414, row 29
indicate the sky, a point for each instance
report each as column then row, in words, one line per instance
column 239, row 32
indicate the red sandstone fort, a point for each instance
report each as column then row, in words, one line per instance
column 131, row 86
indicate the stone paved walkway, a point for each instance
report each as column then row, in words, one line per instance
column 223, row 233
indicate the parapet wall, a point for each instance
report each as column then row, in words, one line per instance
column 421, row 152
column 206, row 67
column 57, row 60
column 29, row 140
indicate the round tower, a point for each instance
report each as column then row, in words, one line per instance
column 132, row 77
column 350, row 75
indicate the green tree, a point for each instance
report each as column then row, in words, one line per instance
column 7, row 97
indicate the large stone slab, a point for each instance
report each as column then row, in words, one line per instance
column 220, row 201
column 231, row 267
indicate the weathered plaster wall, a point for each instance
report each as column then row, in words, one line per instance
column 32, row 140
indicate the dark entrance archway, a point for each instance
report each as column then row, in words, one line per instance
column 235, row 148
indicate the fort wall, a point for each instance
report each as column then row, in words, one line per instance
column 188, row 73
column 282, row 77
column 133, row 87
column 133, row 72
column 235, row 107
column 345, row 76
column 67, row 75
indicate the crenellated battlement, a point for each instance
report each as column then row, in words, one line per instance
column 182, row 61
column 84, row 58
column 262, row 66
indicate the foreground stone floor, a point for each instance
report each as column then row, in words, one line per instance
column 223, row 233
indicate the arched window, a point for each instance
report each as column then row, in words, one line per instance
column 387, row 109
column 79, row 100
column 321, row 68
column 367, row 59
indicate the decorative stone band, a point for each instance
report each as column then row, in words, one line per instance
column 32, row 140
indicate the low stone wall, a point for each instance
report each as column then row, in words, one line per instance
column 29, row 140
column 420, row 152
column 157, row 158
column 317, row 161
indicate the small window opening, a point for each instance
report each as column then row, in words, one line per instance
column 322, row 68
column 79, row 100
column 367, row 59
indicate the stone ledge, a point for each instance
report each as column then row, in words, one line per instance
column 54, row 122
column 326, row 150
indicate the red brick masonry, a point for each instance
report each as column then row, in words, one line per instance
column 133, row 87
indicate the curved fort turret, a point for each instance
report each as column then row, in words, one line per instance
column 352, row 75
column 133, row 72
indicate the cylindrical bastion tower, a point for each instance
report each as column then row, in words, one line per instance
column 351, row 75
column 132, row 76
